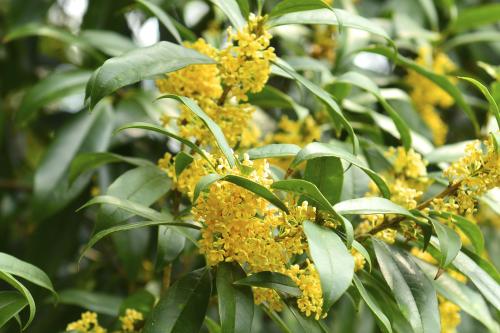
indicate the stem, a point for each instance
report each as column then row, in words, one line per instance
column 223, row 97
column 452, row 188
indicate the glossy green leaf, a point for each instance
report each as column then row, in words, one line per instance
column 162, row 130
column 495, row 111
column 327, row 174
column 364, row 82
column 182, row 161
column 85, row 162
column 413, row 291
column 467, row 299
column 25, row 270
column 183, row 307
column 129, row 226
column 475, row 16
column 109, row 42
column 12, row 281
column 140, row 64
column 241, row 181
column 92, row 301
column 330, row 17
column 292, row 6
column 11, row 303
column 273, row 280
column 162, row 17
column 439, row 80
column 382, row 320
column 50, row 89
column 56, row 33
column 236, row 306
column 210, row 124
column 333, row 261
column 449, row 242
column 317, row 149
column 273, row 150
column 232, row 11
column 332, row 107
column 370, row 205
column 84, row 133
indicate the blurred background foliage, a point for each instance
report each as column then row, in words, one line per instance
column 50, row 48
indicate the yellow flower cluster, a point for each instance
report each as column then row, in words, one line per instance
column 407, row 180
column 473, row 175
column 324, row 44
column 359, row 260
column 87, row 324
column 427, row 95
column 220, row 89
column 130, row 320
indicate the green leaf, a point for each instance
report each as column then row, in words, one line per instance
column 11, row 303
column 330, row 17
column 440, row 80
column 475, row 16
column 292, row 6
column 493, row 104
column 87, row 161
column 129, row 226
column 482, row 280
column 273, row 150
column 236, row 306
column 472, row 37
column 246, row 183
column 25, row 270
column 182, row 161
column 332, row 107
column 162, row 130
column 171, row 242
column 277, row 281
column 369, row 206
column 85, row 132
column 92, row 301
column 109, row 42
column 270, row 97
column 183, row 308
column 50, row 89
column 470, row 229
column 333, row 261
column 299, row 323
column 467, row 299
column 364, row 82
column 362, row 250
column 382, row 320
column 35, row 29
column 126, row 205
column 140, row 64
column 211, row 325
column 327, row 174
column 162, row 17
column 449, row 242
column 11, row 280
column 310, row 192
column 232, row 11
column 414, row 292
column 211, row 125
column 142, row 301
column 317, row 149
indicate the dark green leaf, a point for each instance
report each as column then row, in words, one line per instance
column 142, row 301
column 472, row 37
column 183, row 308
column 162, row 17
column 299, row 323
column 449, row 242
column 52, row 88
column 273, row 280
column 92, row 301
column 317, row 149
column 382, row 320
column 327, row 174
column 236, row 306
column 333, row 261
column 414, row 292
column 140, row 64
column 475, row 16
column 493, row 104
column 182, row 160
column 87, row 161
column 12, row 281
column 11, row 303
column 211, row 125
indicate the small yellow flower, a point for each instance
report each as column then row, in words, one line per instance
column 130, row 319
column 87, row 324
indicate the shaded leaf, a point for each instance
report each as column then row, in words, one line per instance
column 92, row 301
column 273, row 280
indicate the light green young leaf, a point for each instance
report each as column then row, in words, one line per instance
column 333, row 261
column 126, row 205
column 475, row 16
column 273, row 150
column 293, row 6
column 369, row 206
